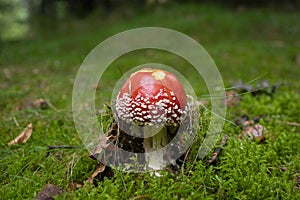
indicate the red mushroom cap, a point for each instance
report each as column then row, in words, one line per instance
column 152, row 96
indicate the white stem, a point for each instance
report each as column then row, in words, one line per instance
column 155, row 138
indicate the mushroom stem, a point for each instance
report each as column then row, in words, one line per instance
column 155, row 138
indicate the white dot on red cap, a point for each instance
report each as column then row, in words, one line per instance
column 166, row 100
column 137, row 109
column 140, row 119
column 154, row 111
column 151, row 107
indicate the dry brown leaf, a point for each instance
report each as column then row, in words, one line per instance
column 253, row 131
column 23, row 137
column 48, row 192
column 105, row 141
column 100, row 169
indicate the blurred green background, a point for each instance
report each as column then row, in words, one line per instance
column 21, row 19
column 246, row 39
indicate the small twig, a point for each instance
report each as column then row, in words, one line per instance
column 59, row 147
column 62, row 147
column 284, row 122
column 185, row 158
column 293, row 123
column 288, row 123
column 215, row 154
column 218, row 150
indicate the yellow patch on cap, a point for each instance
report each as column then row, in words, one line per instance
column 159, row 75
column 142, row 70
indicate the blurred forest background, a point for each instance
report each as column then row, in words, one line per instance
column 21, row 19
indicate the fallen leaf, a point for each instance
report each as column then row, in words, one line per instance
column 23, row 137
column 253, row 131
column 100, row 168
column 48, row 192
column 105, row 141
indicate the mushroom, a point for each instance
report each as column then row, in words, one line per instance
column 153, row 103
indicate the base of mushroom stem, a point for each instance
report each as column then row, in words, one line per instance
column 155, row 138
column 139, row 159
column 157, row 162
